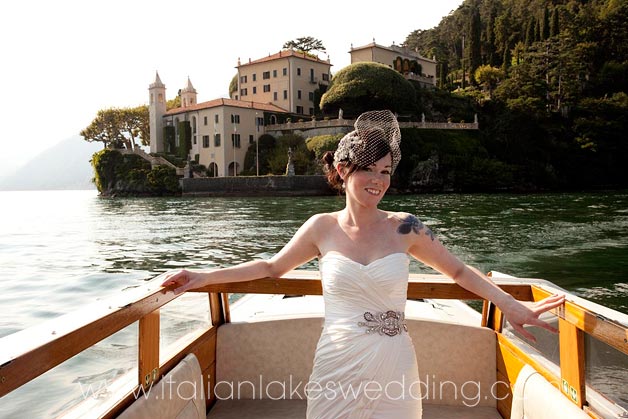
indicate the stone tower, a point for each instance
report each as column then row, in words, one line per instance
column 188, row 95
column 156, row 111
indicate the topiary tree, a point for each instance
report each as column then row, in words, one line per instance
column 322, row 143
column 368, row 86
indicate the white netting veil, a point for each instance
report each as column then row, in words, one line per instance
column 376, row 134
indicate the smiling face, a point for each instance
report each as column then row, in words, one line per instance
column 368, row 185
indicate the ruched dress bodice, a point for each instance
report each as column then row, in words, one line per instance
column 358, row 374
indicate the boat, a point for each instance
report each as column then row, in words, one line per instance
column 253, row 358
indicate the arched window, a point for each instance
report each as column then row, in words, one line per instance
column 416, row 68
column 231, row 171
column 398, row 64
column 273, row 120
column 406, row 66
column 212, row 170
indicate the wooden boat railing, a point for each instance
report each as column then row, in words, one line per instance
column 29, row 353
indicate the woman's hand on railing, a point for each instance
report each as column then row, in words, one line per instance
column 182, row 280
column 519, row 314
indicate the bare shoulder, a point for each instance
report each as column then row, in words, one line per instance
column 321, row 221
column 409, row 224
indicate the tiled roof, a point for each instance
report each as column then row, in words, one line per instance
column 269, row 107
column 285, row 54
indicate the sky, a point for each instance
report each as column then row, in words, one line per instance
column 64, row 60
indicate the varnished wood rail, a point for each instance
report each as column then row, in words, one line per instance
column 419, row 286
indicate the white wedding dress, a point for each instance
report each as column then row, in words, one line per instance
column 358, row 374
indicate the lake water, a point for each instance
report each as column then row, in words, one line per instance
column 61, row 250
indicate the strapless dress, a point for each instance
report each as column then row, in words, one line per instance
column 365, row 365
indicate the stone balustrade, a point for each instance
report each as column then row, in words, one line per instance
column 348, row 123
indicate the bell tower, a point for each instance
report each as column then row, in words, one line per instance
column 156, row 111
column 188, row 95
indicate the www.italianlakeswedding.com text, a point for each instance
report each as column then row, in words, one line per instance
column 470, row 393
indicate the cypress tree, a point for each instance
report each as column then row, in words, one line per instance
column 490, row 40
column 475, row 49
column 538, row 31
column 530, row 31
column 545, row 29
column 555, row 26
column 507, row 59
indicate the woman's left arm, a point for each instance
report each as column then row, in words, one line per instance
column 425, row 247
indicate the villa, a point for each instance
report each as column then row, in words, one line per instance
column 407, row 62
column 269, row 90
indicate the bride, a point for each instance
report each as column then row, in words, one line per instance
column 363, row 256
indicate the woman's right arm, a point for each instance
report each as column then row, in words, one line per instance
column 302, row 248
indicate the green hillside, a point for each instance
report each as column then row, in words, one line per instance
column 549, row 82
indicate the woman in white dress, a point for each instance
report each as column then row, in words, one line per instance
column 365, row 364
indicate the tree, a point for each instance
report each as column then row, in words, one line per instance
column 305, row 44
column 119, row 127
column 491, row 56
column 530, row 31
column 475, row 52
column 555, row 24
column 233, row 86
column 302, row 158
column 174, row 103
column 368, row 86
column 545, row 28
column 488, row 77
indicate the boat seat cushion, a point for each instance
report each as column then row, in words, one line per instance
column 456, row 363
column 536, row 398
column 179, row 394
column 269, row 358
column 266, row 359
column 295, row 409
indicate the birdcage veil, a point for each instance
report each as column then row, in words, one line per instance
column 376, row 134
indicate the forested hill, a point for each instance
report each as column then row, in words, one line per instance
column 576, row 47
column 549, row 80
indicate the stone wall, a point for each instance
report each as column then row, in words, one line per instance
column 256, row 186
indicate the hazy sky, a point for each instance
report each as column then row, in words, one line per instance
column 64, row 60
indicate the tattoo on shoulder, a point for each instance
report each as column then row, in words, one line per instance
column 412, row 224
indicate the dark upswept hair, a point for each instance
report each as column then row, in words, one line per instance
column 374, row 150
column 333, row 177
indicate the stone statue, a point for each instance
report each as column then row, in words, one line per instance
column 290, row 165
column 340, row 113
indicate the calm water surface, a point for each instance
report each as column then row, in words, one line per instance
column 61, row 250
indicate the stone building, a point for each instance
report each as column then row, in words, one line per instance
column 269, row 89
column 406, row 61
column 288, row 79
column 221, row 130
